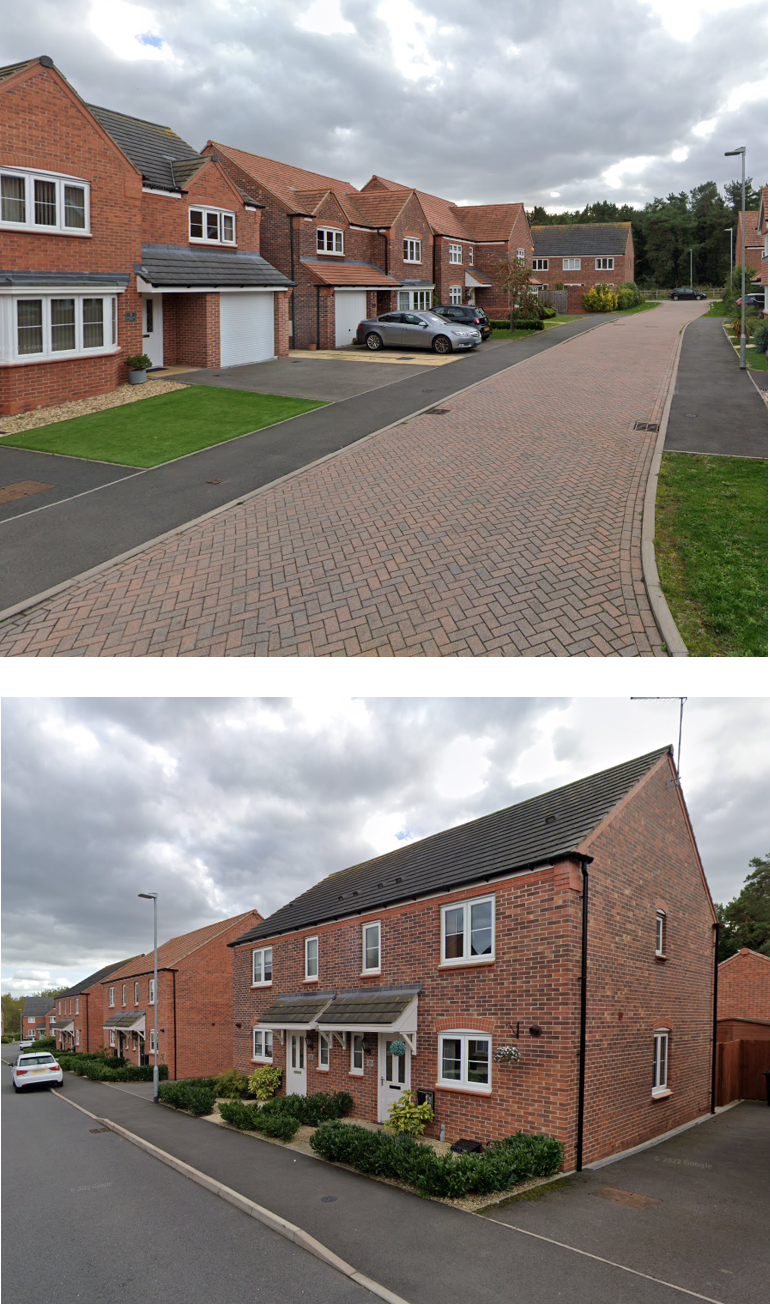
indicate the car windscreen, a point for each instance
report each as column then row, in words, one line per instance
column 433, row 317
column 25, row 1061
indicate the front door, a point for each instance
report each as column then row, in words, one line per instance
column 395, row 1076
column 296, row 1068
column 152, row 332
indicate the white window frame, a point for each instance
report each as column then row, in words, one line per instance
column 660, row 1056
column 540, row 264
column 324, row 1044
column 311, row 977
column 456, row 294
column 77, row 1036
column 364, row 930
column 470, row 255
column 112, row 1036
column 9, row 325
column 262, row 1056
column 136, row 993
column 521, row 255
column 151, row 1000
column 330, row 235
column 466, row 958
column 456, row 253
column 412, row 250
column 570, row 264
column 220, row 214
column 112, row 998
column 660, row 933
column 77, row 1005
column 60, row 180
column 415, row 300
column 604, row 264
column 125, row 990
column 356, row 1037
column 153, row 1046
column 263, row 952
column 60, row 1007
column 464, row 1036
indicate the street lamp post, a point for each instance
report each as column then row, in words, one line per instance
column 153, row 896
column 691, row 269
column 728, row 154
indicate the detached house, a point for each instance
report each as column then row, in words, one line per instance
column 79, row 1012
column 195, row 996
column 118, row 238
column 583, row 254
column 575, row 928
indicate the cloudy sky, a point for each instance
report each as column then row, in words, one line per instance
column 227, row 804
column 556, row 104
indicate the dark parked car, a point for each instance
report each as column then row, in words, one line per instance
column 468, row 314
column 684, row 292
column 416, row 330
column 753, row 301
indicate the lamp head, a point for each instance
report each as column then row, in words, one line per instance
column 148, row 896
column 729, row 152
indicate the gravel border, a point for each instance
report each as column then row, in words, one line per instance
column 81, row 407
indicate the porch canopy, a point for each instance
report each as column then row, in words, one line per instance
column 65, row 1025
column 126, row 1022
column 372, row 1009
column 476, row 280
column 298, row 1012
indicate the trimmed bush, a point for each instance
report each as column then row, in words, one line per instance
column 600, row 298
column 265, row 1081
column 760, row 336
column 196, row 1095
column 520, row 324
column 628, row 295
column 310, row 1111
column 252, row 1118
column 232, row 1084
column 547, row 310
column 43, row 1043
column 502, row 1165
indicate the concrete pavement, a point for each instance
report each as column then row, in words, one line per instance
column 716, row 408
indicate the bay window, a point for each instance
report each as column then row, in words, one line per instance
column 50, row 325
column 464, row 1060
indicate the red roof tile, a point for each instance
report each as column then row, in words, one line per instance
column 343, row 273
column 178, row 948
column 488, row 221
column 282, row 179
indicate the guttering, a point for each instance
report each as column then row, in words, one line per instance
column 294, row 279
column 318, row 316
column 173, row 976
column 583, row 1006
column 714, row 1022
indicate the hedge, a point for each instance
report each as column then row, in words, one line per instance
column 252, row 1118
column 196, row 1095
column 524, row 324
column 114, row 1069
column 502, row 1165
column 310, row 1111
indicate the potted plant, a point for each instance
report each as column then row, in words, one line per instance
column 137, row 368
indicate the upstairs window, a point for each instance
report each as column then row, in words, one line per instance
column 112, row 999
column 455, row 253
column 212, row 226
column 44, row 201
column 328, row 240
column 605, row 264
column 371, row 948
column 262, row 967
column 136, row 993
column 468, row 931
column 77, row 1005
column 152, row 991
column 570, row 264
column 660, row 933
column 124, row 997
column 311, row 959
column 412, row 251
column 540, row 264
column 470, row 255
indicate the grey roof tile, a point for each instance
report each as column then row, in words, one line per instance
column 297, row 1010
column 37, row 1005
column 576, row 238
column 35, row 279
column 368, row 1007
column 169, row 266
column 162, row 157
column 124, row 1020
column 97, row 977
column 536, row 831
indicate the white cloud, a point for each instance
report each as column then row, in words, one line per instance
column 386, row 831
column 705, row 127
column 462, row 766
column 683, row 19
column 325, row 18
column 129, row 30
column 409, row 32
column 615, row 176
column 745, row 94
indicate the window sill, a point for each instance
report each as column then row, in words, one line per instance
column 463, row 1090
column 371, row 973
column 220, row 244
column 43, row 230
column 263, row 984
column 42, row 359
column 260, row 1061
column 324, row 1068
column 659, row 956
column 355, row 1073
column 661, row 1094
column 446, row 967
column 310, row 982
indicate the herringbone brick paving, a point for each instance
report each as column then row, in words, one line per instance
column 510, row 526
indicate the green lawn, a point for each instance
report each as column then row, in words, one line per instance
column 719, row 309
column 159, row 429
column 711, row 550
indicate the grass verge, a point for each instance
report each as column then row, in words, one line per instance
column 754, row 361
column 720, row 309
column 163, row 428
column 711, row 551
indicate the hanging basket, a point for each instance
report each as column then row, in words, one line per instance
column 398, row 1049
column 507, row 1055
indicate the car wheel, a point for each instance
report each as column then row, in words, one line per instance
column 373, row 341
column 16, row 1087
column 675, row 297
column 442, row 344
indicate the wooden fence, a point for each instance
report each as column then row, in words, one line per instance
column 740, row 1070
column 556, row 298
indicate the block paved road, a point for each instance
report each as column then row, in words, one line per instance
column 509, row 525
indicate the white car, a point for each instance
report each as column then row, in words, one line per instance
column 37, row 1069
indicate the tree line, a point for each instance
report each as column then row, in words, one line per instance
column 665, row 231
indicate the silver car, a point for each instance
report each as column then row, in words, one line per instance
column 416, row 330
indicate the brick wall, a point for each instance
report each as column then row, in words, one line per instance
column 588, row 275
column 32, row 385
column 165, row 220
column 191, row 329
column 744, row 986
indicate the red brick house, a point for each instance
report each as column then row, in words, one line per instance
column 755, row 245
column 583, row 254
column 743, row 997
column 79, row 1012
column 762, row 231
column 117, row 238
column 36, row 1017
column 476, row 939
column 195, row 997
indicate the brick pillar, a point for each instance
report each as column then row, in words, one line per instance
column 281, row 323
column 575, row 298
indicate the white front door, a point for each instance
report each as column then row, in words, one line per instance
column 296, row 1068
column 395, row 1076
column 349, row 310
column 152, row 328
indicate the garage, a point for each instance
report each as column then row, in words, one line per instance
column 349, row 310
column 245, row 329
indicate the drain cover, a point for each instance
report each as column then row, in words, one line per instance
column 409, row 357
column 99, row 1129
column 328, row 1199
column 646, row 425
column 691, row 414
column 436, row 412
column 214, row 482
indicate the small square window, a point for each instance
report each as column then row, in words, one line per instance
column 468, row 931
column 412, row 251
column 328, row 240
column 311, row 959
column 464, row 1060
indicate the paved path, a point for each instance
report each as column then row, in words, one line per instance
column 716, row 408
column 48, row 547
column 507, row 525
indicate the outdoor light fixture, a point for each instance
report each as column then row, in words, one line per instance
column 153, row 896
column 729, row 153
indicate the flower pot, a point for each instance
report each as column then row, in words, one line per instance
column 137, row 377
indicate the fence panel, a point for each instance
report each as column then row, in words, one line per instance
column 728, row 1072
column 754, row 1060
column 556, row 298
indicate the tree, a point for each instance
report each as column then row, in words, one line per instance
column 746, row 919
column 13, row 1005
column 515, row 279
column 733, row 193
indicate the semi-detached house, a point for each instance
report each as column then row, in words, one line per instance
column 118, row 238
column 584, row 907
column 79, row 1012
column 583, row 254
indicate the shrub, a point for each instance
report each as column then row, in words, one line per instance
column 310, row 1111
column 558, row 285
column 43, row 1043
column 237, row 1113
column 760, row 336
column 138, row 362
column 405, row 1115
column 196, row 1095
column 520, row 324
column 265, row 1081
column 628, row 295
column 252, row 1118
column 600, row 298
column 232, row 1084
column 502, row 1165
column 547, row 310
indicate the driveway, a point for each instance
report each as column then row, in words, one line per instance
column 308, row 377
column 716, row 407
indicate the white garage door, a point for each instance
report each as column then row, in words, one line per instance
column 245, row 328
column 349, row 310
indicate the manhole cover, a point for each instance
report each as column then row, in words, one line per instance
column 691, row 414
column 328, row 1199
column 407, row 358
column 436, row 412
column 215, row 482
